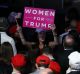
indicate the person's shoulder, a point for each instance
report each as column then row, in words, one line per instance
column 9, row 38
column 5, row 36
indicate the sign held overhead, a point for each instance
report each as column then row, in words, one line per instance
column 38, row 18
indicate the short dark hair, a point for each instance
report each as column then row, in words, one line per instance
column 6, row 51
column 5, row 68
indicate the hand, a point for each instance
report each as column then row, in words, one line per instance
column 53, row 27
column 53, row 30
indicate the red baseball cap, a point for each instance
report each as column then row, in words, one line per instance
column 55, row 67
column 18, row 60
column 13, row 29
column 43, row 60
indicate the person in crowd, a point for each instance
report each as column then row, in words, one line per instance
column 23, row 45
column 41, row 38
column 39, row 57
column 74, row 63
column 42, row 62
column 15, row 31
column 5, row 68
column 5, row 37
column 6, row 52
column 20, row 64
column 47, row 39
column 72, row 26
column 68, row 46
column 69, row 42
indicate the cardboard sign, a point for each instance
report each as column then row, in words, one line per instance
column 38, row 18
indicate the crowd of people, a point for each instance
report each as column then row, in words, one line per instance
column 37, row 51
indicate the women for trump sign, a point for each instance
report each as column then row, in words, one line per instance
column 38, row 18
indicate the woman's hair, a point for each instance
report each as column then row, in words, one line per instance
column 6, row 51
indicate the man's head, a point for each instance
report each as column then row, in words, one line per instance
column 68, row 41
column 6, row 51
column 18, row 61
column 42, row 61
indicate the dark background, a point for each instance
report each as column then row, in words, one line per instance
column 61, row 7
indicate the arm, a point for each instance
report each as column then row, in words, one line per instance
column 19, row 29
column 23, row 40
column 54, row 35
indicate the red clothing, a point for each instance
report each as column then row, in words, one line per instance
column 55, row 67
